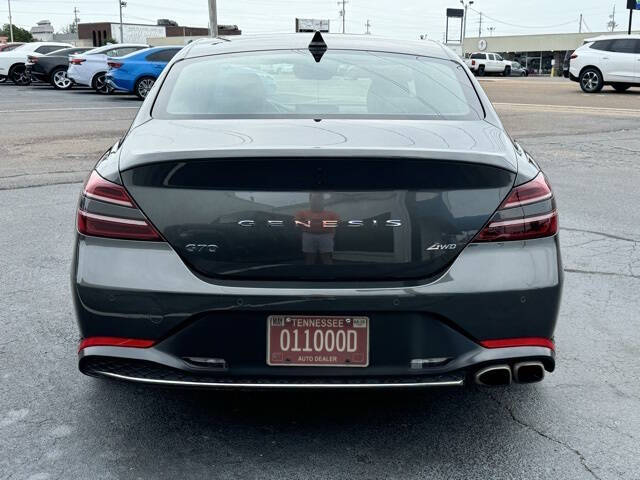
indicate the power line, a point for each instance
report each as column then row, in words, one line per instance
column 524, row 26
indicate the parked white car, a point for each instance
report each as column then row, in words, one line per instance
column 607, row 60
column 487, row 62
column 12, row 63
column 89, row 68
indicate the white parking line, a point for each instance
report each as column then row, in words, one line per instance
column 68, row 109
column 576, row 108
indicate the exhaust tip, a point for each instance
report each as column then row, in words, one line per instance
column 494, row 376
column 528, row 372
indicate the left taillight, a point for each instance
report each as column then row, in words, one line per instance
column 107, row 210
column 528, row 212
column 114, row 64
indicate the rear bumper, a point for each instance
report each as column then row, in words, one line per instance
column 37, row 73
column 154, row 367
column 117, row 85
column 79, row 75
column 143, row 290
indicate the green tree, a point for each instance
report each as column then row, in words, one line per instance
column 19, row 34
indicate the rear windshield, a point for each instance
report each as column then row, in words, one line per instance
column 291, row 84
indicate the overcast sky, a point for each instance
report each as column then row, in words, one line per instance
column 396, row 18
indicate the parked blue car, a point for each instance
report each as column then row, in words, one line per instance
column 138, row 71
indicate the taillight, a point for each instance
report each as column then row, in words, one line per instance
column 109, row 219
column 77, row 61
column 473, row 62
column 32, row 59
column 573, row 56
column 528, row 212
column 114, row 64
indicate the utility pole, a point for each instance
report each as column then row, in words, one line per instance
column 612, row 23
column 491, row 29
column 213, row 18
column 580, row 26
column 122, row 4
column 368, row 25
column 10, row 22
column 75, row 17
column 342, row 4
column 480, row 26
column 465, row 4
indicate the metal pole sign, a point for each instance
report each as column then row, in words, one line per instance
column 632, row 5
column 454, row 13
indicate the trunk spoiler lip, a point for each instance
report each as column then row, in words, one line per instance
column 137, row 159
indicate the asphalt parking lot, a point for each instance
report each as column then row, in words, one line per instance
column 582, row 422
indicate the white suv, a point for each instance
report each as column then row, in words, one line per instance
column 607, row 60
column 89, row 68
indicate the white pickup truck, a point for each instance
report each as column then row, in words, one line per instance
column 485, row 62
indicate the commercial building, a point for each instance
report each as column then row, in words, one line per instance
column 98, row 34
column 44, row 32
column 540, row 54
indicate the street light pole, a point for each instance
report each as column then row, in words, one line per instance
column 10, row 22
column 213, row 18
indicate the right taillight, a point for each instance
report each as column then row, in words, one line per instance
column 114, row 64
column 529, row 211
column 575, row 55
column 77, row 61
column 107, row 210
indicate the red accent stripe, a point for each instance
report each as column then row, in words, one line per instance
column 115, row 342
column 519, row 342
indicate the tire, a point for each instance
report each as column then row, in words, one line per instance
column 18, row 75
column 143, row 86
column 507, row 71
column 481, row 70
column 621, row 87
column 591, row 80
column 100, row 85
column 59, row 79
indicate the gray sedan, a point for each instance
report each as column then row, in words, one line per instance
column 295, row 211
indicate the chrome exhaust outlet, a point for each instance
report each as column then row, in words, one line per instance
column 528, row 372
column 494, row 376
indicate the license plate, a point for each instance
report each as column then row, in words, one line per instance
column 317, row 341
